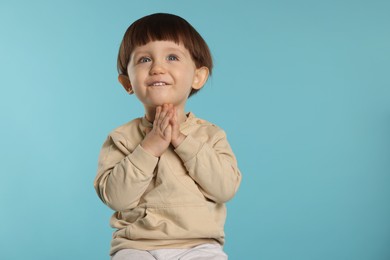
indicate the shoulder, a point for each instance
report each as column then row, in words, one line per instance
column 127, row 132
column 202, row 127
column 133, row 124
column 202, row 123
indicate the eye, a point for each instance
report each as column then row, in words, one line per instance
column 172, row 57
column 144, row 59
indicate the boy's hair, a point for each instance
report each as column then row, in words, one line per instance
column 164, row 27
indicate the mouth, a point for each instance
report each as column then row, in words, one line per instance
column 158, row 84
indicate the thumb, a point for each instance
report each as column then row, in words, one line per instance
column 168, row 132
column 147, row 130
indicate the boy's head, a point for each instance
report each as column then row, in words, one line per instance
column 164, row 27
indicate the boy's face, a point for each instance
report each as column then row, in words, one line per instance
column 163, row 72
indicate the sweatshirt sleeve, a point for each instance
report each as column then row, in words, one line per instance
column 123, row 175
column 212, row 165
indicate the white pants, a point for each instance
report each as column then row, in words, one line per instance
column 201, row 252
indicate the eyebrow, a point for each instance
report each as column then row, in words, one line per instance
column 175, row 49
column 169, row 49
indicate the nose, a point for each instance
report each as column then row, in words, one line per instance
column 157, row 68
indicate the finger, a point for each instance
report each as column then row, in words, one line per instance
column 165, row 122
column 175, row 114
column 175, row 124
column 164, row 112
column 157, row 116
column 168, row 131
column 174, row 120
column 162, row 115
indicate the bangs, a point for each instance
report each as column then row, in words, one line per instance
column 156, row 28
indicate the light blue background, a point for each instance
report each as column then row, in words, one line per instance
column 301, row 87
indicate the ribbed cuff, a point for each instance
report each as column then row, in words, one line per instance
column 143, row 160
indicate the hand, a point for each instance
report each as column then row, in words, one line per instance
column 158, row 139
column 177, row 136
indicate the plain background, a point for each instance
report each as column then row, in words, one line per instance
column 302, row 89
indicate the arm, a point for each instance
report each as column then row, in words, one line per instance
column 212, row 165
column 123, row 176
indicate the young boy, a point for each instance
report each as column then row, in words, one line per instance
column 168, row 174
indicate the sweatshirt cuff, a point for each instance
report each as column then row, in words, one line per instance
column 189, row 148
column 143, row 160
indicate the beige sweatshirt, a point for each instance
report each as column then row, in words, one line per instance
column 174, row 201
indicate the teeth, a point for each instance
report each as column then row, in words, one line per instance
column 158, row 84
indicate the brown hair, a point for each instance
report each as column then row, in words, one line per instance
column 164, row 27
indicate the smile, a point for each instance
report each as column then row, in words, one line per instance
column 158, row 84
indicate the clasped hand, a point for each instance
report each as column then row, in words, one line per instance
column 165, row 131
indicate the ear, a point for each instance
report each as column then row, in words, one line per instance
column 125, row 82
column 201, row 76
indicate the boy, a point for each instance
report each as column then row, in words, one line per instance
column 168, row 174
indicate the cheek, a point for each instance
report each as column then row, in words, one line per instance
column 135, row 77
column 135, row 73
column 190, row 77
